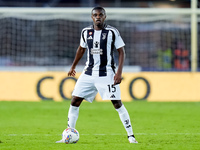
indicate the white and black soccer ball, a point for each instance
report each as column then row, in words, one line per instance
column 70, row 136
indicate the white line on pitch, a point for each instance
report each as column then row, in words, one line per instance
column 107, row 134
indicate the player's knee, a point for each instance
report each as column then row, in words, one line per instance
column 117, row 103
column 76, row 101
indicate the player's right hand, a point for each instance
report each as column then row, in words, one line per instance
column 72, row 72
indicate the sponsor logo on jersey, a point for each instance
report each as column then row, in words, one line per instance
column 96, row 44
column 96, row 51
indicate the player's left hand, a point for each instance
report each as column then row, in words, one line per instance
column 117, row 79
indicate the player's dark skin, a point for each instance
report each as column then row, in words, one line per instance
column 98, row 16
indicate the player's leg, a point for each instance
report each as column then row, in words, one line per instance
column 109, row 91
column 84, row 89
column 125, row 119
column 74, row 111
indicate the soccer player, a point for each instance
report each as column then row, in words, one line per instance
column 99, row 73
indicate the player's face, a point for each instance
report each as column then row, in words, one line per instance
column 98, row 17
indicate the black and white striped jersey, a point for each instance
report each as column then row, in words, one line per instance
column 100, row 45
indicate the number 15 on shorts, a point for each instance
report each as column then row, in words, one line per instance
column 111, row 88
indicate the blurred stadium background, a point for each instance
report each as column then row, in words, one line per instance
column 38, row 41
column 43, row 35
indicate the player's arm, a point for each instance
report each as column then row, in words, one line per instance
column 118, row 75
column 79, row 54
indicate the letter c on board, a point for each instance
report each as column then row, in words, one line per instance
column 39, row 86
column 61, row 87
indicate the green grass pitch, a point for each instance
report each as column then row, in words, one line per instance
column 157, row 126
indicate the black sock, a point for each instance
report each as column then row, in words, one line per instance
column 131, row 135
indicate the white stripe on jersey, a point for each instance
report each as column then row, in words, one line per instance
column 97, row 35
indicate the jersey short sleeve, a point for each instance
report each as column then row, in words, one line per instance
column 83, row 39
column 118, row 39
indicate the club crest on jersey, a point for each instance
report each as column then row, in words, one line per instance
column 90, row 33
column 103, row 36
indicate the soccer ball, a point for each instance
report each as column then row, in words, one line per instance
column 70, row 136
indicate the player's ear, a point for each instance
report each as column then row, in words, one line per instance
column 92, row 16
column 105, row 14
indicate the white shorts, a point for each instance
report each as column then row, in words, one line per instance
column 87, row 87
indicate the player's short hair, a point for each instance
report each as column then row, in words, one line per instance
column 98, row 8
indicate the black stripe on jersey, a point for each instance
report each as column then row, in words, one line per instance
column 90, row 33
column 103, row 57
column 112, row 51
column 83, row 35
